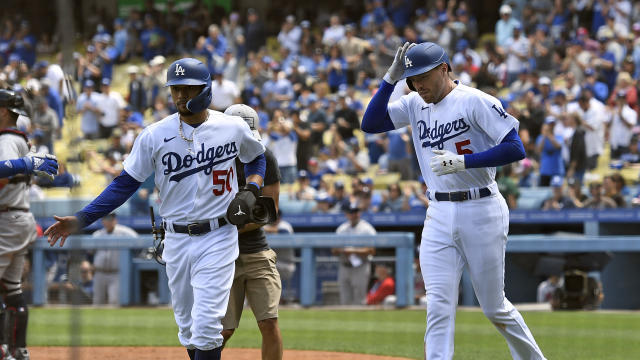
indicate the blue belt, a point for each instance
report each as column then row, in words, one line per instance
column 461, row 195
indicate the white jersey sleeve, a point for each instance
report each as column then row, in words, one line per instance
column 400, row 110
column 250, row 147
column 487, row 113
column 140, row 164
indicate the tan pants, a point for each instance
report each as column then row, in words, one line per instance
column 257, row 278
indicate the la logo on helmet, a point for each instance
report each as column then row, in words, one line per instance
column 407, row 62
column 179, row 70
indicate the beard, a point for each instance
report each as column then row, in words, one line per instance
column 185, row 112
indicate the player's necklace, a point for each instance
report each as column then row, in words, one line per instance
column 189, row 141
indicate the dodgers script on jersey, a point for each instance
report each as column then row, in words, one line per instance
column 466, row 121
column 191, row 171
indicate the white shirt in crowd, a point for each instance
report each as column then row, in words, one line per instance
column 515, row 48
column 110, row 104
column 224, row 94
column 620, row 132
column 594, row 119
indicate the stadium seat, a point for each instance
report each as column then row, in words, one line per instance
column 532, row 198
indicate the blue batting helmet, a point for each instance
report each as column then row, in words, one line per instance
column 422, row 58
column 189, row 71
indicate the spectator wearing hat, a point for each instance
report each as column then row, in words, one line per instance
column 624, row 83
column 290, row 35
column 594, row 117
column 517, row 50
column 383, row 287
column 107, row 53
column 87, row 106
column 90, row 67
column 355, row 262
column 154, row 80
column 604, row 61
column 544, row 90
column 277, row 90
column 255, row 32
column 137, row 97
column 468, row 56
column 446, row 36
column 283, row 141
column 224, row 92
column 339, row 196
column 318, row 121
column 558, row 199
column 598, row 88
column 234, row 33
column 345, row 118
column 54, row 101
column 623, row 119
column 549, row 146
column 110, row 103
column 303, row 188
column 505, row 26
column 323, row 203
column 597, row 199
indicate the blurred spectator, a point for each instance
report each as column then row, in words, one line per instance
column 90, row 67
column 418, row 198
column 283, row 142
column 597, row 198
column 107, row 54
column 24, row 44
column 290, row 34
column 339, row 197
column 613, row 185
column 213, row 46
column 87, row 106
column 547, row 288
column 277, row 90
column 154, row 40
column 323, row 203
column 121, row 40
column 593, row 115
column 516, row 50
column 387, row 45
column 224, row 92
column 397, row 153
column 355, row 262
column 383, row 287
column 508, row 186
column 286, row 263
column 345, row 118
column 255, row 32
column 317, row 118
column 45, row 121
column 352, row 48
column 598, row 88
column 304, row 189
column 53, row 99
column 234, row 33
column 623, row 119
column 505, row 26
column 334, row 33
column 137, row 97
column 633, row 155
column 558, row 200
column 106, row 280
column 577, row 164
column 110, row 103
column 155, row 79
column 337, row 68
column 354, row 158
column 64, row 291
column 395, row 200
column 549, row 147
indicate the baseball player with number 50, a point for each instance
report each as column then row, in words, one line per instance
column 193, row 156
column 460, row 135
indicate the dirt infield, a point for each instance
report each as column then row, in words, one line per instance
column 160, row 353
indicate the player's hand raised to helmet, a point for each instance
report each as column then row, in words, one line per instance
column 446, row 162
column 397, row 68
column 64, row 226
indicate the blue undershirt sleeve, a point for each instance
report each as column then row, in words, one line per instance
column 12, row 167
column 509, row 150
column 257, row 166
column 120, row 189
column 376, row 118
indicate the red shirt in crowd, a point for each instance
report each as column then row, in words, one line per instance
column 380, row 290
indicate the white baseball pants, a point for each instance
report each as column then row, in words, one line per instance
column 470, row 233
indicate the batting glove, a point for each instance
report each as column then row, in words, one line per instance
column 41, row 164
column 446, row 162
column 396, row 70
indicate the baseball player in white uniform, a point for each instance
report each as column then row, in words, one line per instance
column 460, row 135
column 192, row 154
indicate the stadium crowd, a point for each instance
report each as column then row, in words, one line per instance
column 568, row 70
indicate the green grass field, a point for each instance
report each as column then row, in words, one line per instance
column 561, row 335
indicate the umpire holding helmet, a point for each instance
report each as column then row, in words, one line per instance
column 17, row 225
column 256, row 276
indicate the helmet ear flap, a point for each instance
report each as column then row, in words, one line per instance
column 202, row 101
column 410, row 85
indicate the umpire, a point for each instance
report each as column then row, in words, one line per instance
column 256, row 276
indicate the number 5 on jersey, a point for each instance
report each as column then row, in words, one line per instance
column 222, row 178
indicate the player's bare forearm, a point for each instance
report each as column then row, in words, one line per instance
column 255, row 178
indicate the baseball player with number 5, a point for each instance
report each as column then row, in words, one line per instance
column 460, row 135
column 193, row 154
